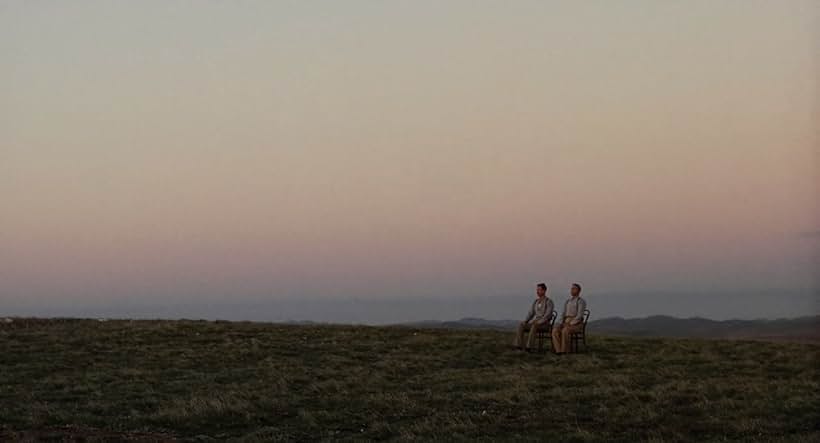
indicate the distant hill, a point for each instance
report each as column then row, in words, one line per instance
column 804, row 329
column 466, row 323
column 797, row 329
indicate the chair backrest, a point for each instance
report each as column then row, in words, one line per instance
column 553, row 316
column 586, row 319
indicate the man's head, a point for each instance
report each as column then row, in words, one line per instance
column 541, row 289
column 576, row 290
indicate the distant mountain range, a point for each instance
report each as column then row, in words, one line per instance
column 803, row 329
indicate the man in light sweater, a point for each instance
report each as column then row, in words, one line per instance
column 537, row 318
column 572, row 320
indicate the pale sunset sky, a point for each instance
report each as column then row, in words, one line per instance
column 207, row 151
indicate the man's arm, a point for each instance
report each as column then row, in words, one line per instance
column 579, row 315
column 564, row 312
column 550, row 308
column 547, row 313
column 530, row 314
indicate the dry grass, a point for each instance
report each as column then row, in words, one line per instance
column 192, row 380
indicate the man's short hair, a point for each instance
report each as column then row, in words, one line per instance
column 576, row 285
column 542, row 286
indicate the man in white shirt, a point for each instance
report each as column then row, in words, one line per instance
column 572, row 320
column 537, row 318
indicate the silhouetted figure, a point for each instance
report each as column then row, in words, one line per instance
column 538, row 317
column 572, row 320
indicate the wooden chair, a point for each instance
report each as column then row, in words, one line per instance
column 545, row 333
column 580, row 336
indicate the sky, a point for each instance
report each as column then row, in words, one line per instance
column 221, row 153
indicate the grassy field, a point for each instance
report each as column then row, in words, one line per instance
column 198, row 381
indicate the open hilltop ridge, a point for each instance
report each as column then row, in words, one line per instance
column 803, row 329
column 186, row 380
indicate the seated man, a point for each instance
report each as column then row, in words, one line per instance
column 539, row 315
column 571, row 320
